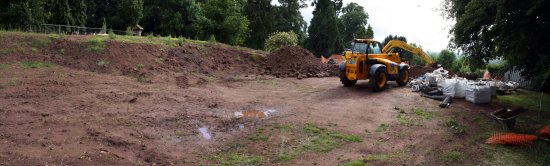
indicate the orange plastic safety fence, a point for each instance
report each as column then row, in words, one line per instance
column 512, row 139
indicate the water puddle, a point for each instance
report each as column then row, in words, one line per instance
column 204, row 133
column 176, row 139
column 254, row 114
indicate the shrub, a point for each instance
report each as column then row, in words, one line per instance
column 112, row 35
column 280, row 39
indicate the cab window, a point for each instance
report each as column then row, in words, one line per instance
column 359, row 48
column 374, row 48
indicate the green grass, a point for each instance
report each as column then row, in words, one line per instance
column 34, row 50
column 382, row 127
column 423, row 113
column 356, row 162
column 238, row 58
column 40, row 42
column 324, row 140
column 140, row 66
column 34, row 64
column 260, row 135
column 103, row 62
column 95, row 44
column 452, row 156
column 456, row 127
column 405, row 120
column 526, row 99
column 239, row 159
column 283, row 128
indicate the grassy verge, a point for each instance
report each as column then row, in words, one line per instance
column 527, row 99
column 34, row 64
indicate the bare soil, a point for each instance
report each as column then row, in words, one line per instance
column 195, row 107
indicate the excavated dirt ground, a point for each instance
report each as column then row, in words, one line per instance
column 198, row 108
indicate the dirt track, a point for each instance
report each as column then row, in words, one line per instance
column 64, row 116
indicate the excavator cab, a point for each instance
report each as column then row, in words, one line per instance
column 369, row 60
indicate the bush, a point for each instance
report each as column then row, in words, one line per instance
column 280, row 39
column 129, row 31
column 112, row 35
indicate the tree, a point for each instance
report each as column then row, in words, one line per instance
column 446, row 58
column 99, row 11
column 172, row 17
column 131, row 12
column 60, row 12
column 224, row 20
column 390, row 37
column 517, row 31
column 287, row 17
column 353, row 21
column 78, row 12
column 22, row 14
column 280, row 39
column 323, row 32
column 260, row 15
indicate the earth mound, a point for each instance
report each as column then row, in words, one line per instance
column 294, row 61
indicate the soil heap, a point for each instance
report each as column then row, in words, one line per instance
column 294, row 61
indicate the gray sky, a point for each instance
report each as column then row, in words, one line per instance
column 418, row 20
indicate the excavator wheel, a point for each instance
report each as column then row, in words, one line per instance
column 379, row 79
column 344, row 79
column 403, row 77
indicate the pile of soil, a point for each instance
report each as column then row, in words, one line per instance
column 294, row 61
column 416, row 71
column 139, row 60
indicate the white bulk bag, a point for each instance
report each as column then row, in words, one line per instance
column 448, row 87
column 460, row 88
column 478, row 93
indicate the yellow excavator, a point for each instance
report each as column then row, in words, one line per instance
column 367, row 59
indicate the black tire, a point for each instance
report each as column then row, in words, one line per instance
column 344, row 79
column 379, row 79
column 403, row 77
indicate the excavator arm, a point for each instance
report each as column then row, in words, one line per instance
column 402, row 45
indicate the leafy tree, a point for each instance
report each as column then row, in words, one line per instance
column 131, row 11
column 323, row 32
column 280, row 39
column 287, row 17
column 172, row 17
column 517, row 31
column 99, row 11
column 353, row 21
column 223, row 18
column 446, row 58
column 260, row 15
column 22, row 14
column 60, row 12
column 78, row 12
column 390, row 37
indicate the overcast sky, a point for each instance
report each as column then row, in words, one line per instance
column 418, row 20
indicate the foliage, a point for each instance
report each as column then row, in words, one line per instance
column 174, row 17
column 223, row 18
column 22, row 14
column 446, row 58
column 353, row 21
column 129, row 31
column 112, row 35
column 323, row 32
column 280, row 39
column 287, row 17
column 513, row 30
column 260, row 15
column 455, row 127
column 96, row 44
column 103, row 62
